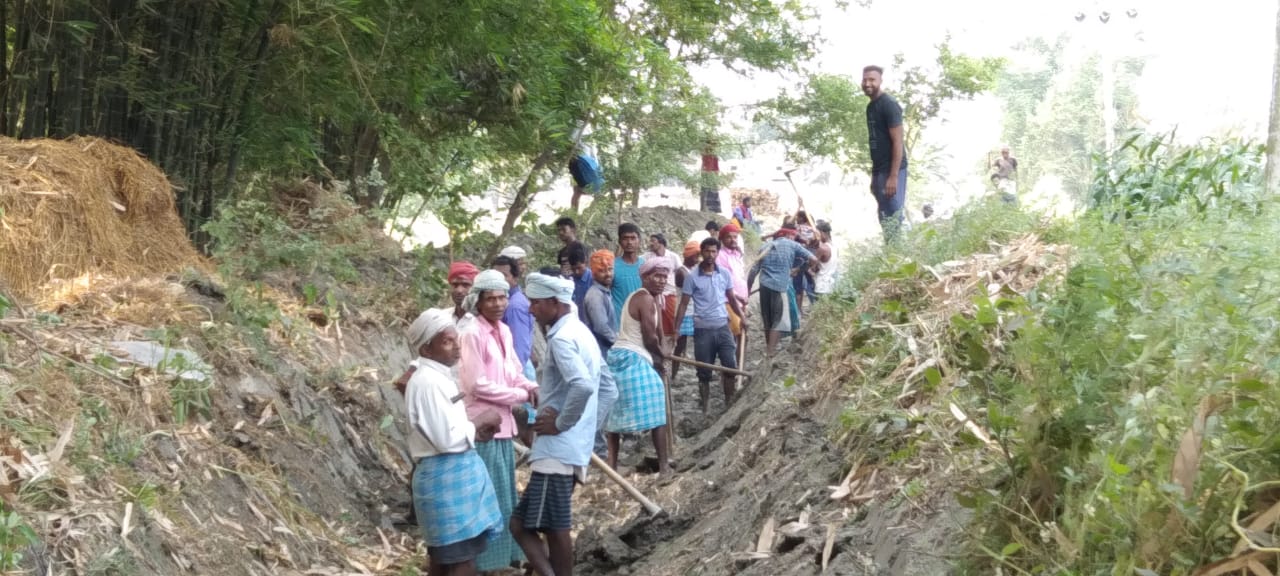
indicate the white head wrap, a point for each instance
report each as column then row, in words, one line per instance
column 429, row 325
column 484, row 282
column 539, row 286
column 513, row 252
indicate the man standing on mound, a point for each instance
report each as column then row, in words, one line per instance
column 710, row 288
column 636, row 361
column 566, row 427
column 493, row 380
column 888, row 157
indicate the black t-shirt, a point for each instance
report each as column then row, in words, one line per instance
column 883, row 113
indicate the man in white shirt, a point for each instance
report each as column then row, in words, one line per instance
column 456, row 506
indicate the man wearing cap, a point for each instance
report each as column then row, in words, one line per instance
column 597, row 311
column 492, row 378
column 636, row 361
column 566, row 426
column 669, row 298
column 456, row 506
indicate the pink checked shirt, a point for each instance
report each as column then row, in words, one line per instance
column 732, row 261
column 490, row 375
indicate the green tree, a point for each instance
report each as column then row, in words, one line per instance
column 828, row 118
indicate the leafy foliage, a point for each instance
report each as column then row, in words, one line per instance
column 828, row 118
column 1128, row 405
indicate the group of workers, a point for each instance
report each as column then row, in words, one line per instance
column 567, row 364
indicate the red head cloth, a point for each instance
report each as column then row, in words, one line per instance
column 786, row 233
column 462, row 269
column 728, row 229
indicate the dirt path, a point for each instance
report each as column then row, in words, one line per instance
column 767, row 457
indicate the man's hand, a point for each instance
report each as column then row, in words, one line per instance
column 545, row 424
column 487, row 424
column 403, row 381
column 660, row 366
column 533, row 397
column 891, row 186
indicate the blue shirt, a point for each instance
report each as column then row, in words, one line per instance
column 520, row 321
column 598, row 314
column 580, row 286
column 626, row 280
column 708, row 294
column 571, row 371
column 777, row 262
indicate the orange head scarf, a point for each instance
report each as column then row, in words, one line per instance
column 600, row 259
column 692, row 248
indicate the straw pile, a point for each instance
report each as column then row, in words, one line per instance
column 84, row 205
column 763, row 202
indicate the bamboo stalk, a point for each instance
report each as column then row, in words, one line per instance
column 649, row 505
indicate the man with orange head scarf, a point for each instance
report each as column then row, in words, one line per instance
column 597, row 310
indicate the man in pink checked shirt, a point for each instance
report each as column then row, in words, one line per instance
column 732, row 259
column 491, row 378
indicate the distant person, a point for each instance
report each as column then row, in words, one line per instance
column 774, row 267
column 669, row 299
column 626, row 267
column 710, row 178
column 824, row 280
column 802, row 278
column 746, row 218
column 692, row 255
column 1005, row 175
column 579, row 271
column 566, row 230
column 711, row 230
column 927, row 211
column 515, row 253
column 888, row 153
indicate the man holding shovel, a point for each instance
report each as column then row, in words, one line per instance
column 710, row 288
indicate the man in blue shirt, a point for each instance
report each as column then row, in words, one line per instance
column 566, row 428
column 579, row 272
column 710, row 287
column 888, row 153
column 774, row 266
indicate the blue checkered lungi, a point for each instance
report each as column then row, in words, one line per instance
column 454, row 499
column 499, row 456
column 642, row 399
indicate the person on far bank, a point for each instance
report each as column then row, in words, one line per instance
column 710, row 288
column 1005, row 175
column 565, row 427
column 745, row 217
column 888, row 153
column 626, row 267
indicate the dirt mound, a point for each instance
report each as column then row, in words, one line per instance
column 83, row 205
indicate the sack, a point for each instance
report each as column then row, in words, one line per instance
column 586, row 173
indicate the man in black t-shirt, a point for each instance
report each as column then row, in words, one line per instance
column 888, row 153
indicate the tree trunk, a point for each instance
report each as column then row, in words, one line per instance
column 4, row 67
column 1273, row 127
column 524, row 195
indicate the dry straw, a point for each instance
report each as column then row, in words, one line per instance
column 84, row 205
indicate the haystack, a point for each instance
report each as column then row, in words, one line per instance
column 84, row 206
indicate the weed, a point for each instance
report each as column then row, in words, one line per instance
column 116, row 562
column 15, row 536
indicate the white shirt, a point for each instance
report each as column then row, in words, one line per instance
column 824, row 282
column 438, row 422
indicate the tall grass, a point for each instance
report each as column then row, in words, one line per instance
column 1136, row 403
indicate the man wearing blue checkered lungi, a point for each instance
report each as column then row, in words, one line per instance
column 636, row 360
column 453, row 496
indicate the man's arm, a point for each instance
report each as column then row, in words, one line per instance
column 598, row 317
column 581, row 387
column 680, row 308
column 649, row 329
column 894, row 121
column 471, row 369
column 428, row 414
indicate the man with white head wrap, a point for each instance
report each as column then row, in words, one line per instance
column 492, row 378
column 637, row 363
column 566, row 427
column 452, row 493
